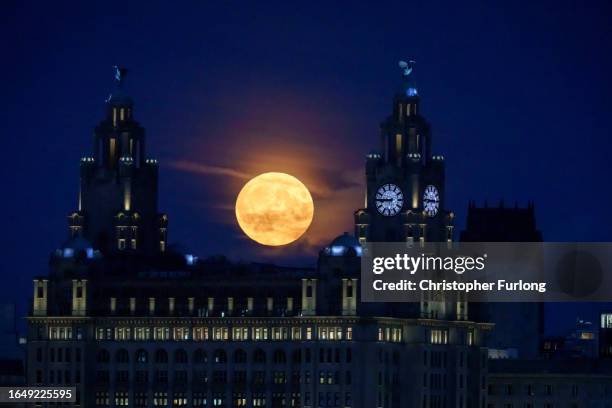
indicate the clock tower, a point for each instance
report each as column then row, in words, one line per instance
column 404, row 198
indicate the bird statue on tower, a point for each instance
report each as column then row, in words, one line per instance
column 409, row 84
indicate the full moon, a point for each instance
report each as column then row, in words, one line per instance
column 274, row 209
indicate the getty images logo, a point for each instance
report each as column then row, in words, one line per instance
column 413, row 264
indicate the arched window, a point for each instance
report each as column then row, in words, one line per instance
column 200, row 357
column 279, row 357
column 296, row 356
column 103, row 356
column 240, row 356
column 259, row 356
column 220, row 356
column 122, row 356
column 161, row 356
column 180, row 356
column 142, row 356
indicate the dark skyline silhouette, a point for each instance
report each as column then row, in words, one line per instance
column 517, row 95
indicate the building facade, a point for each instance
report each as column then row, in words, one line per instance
column 131, row 322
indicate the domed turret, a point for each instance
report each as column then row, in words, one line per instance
column 344, row 245
column 77, row 247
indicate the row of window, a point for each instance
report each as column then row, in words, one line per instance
column 530, row 390
column 257, row 377
column 218, row 333
column 219, row 399
column 326, row 355
column 59, row 355
column 392, row 334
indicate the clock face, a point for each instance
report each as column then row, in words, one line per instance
column 389, row 200
column 431, row 201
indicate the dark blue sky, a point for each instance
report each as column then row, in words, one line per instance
column 518, row 96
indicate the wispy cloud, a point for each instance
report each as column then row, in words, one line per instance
column 197, row 168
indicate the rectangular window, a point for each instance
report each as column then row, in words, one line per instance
column 240, row 333
column 398, row 147
column 200, row 333
column 296, row 333
column 220, row 333
column 102, row 399
column 181, row 333
column 279, row 333
column 439, row 336
column 142, row 333
column 60, row 333
column 123, row 333
column 161, row 333
column 260, row 333
column 160, row 399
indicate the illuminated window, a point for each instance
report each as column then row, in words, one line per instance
column 396, row 334
column 380, row 334
column 133, row 243
column 606, row 321
column 260, row 333
column 296, row 333
column 121, row 399
column 220, row 333
column 123, row 333
column 398, row 147
column 121, row 244
column 181, row 333
column 322, row 333
column 60, row 333
column 200, row 333
column 439, row 336
column 309, row 333
column 587, row 336
column 160, row 399
column 349, row 333
column 112, row 144
column 279, row 333
column 162, row 246
column 102, row 399
column 240, row 333
column 161, row 333
column 470, row 337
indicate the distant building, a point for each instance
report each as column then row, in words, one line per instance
column 570, row 383
column 581, row 342
column 507, row 224
column 132, row 322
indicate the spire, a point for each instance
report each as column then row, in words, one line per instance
column 409, row 87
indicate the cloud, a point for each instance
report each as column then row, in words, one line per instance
column 307, row 138
column 197, row 168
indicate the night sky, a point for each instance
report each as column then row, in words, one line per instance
column 519, row 97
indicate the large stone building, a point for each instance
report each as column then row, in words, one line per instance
column 132, row 322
